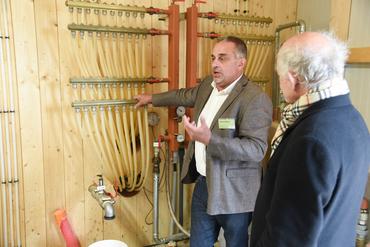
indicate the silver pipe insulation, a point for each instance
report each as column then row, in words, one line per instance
column 181, row 186
column 174, row 189
column 275, row 84
column 156, row 181
column 186, row 234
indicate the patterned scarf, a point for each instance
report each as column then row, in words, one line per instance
column 292, row 111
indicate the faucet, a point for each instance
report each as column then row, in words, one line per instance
column 103, row 198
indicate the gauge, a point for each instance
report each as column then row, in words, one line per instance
column 180, row 111
column 153, row 118
column 180, row 138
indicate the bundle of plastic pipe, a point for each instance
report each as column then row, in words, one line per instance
column 120, row 133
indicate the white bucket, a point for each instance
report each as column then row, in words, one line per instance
column 108, row 243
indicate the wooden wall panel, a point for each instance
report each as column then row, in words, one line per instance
column 92, row 166
column 358, row 74
column 359, row 55
column 72, row 140
column 30, row 122
column 285, row 12
column 339, row 18
column 50, row 99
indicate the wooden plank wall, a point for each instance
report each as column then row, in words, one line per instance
column 358, row 73
column 339, row 18
column 58, row 161
column 31, row 136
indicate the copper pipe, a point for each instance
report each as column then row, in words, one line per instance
column 210, row 35
column 152, row 11
column 173, row 70
column 191, row 51
column 191, row 45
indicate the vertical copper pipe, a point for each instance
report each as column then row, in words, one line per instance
column 191, row 45
column 191, row 51
column 173, row 70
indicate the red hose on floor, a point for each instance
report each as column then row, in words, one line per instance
column 66, row 229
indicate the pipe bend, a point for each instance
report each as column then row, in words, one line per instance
column 109, row 213
column 300, row 23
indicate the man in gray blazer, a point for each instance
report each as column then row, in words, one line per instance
column 228, row 142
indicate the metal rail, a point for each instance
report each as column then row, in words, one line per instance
column 97, row 103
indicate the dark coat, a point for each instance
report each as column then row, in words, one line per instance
column 312, row 190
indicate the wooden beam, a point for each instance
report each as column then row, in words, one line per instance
column 359, row 55
column 340, row 17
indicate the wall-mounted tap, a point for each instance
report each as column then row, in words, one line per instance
column 104, row 199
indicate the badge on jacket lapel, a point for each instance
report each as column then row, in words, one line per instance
column 226, row 123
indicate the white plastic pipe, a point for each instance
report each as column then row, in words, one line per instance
column 7, row 146
column 3, row 189
column 12, row 116
column 2, row 157
column 267, row 51
column 256, row 59
column 114, row 140
column 117, row 56
column 252, row 50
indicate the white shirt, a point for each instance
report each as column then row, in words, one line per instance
column 215, row 100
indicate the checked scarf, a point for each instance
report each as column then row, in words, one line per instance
column 292, row 111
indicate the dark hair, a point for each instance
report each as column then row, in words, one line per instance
column 241, row 48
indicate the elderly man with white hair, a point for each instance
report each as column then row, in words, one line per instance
column 316, row 175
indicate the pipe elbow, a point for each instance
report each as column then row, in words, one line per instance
column 302, row 25
column 109, row 212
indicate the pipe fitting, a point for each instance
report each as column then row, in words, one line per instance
column 105, row 201
column 109, row 212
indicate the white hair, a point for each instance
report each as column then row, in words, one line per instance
column 312, row 63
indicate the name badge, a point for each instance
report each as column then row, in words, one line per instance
column 226, row 123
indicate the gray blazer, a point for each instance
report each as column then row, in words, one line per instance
column 233, row 155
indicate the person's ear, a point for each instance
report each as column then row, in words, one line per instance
column 293, row 78
column 242, row 62
column 297, row 84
